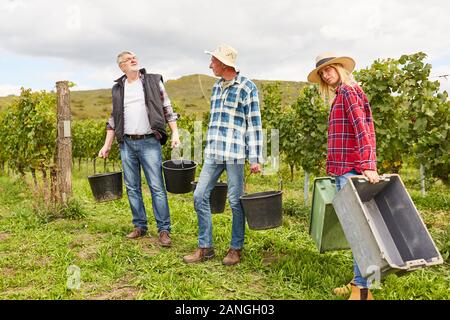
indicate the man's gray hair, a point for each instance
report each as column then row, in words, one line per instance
column 120, row 55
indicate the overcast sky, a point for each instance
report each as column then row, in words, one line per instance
column 43, row 41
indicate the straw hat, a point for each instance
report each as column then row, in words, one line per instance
column 225, row 54
column 327, row 58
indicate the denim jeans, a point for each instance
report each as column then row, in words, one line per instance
column 145, row 153
column 340, row 182
column 208, row 177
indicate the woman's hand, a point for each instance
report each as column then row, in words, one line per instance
column 372, row 176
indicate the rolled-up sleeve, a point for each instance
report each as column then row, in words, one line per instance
column 254, row 128
column 110, row 124
column 169, row 114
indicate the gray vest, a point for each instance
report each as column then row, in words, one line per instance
column 153, row 102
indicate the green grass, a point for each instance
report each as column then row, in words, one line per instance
column 281, row 263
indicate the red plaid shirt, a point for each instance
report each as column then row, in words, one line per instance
column 351, row 133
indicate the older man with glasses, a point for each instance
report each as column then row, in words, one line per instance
column 141, row 109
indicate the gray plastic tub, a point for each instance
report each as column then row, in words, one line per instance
column 384, row 229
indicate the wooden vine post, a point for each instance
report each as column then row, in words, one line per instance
column 64, row 143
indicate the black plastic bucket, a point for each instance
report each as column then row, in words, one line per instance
column 178, row 175
column 263, row 210
column 106, row 186
column 218, row 197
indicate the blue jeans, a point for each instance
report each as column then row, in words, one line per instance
column 145, row 153
column 340, row 182
column 208, row 178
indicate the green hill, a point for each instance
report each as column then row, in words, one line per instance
column 191, row 93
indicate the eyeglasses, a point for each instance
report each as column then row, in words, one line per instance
column 128, row 59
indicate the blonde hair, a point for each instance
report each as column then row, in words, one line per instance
column 120, row 55
column 326, row 91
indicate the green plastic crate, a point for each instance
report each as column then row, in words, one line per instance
column 325, row 228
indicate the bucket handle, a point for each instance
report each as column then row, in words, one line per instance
column 382, row 178
column 179, row 160
column 102, row 165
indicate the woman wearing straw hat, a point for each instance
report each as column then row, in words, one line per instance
column 351, row 137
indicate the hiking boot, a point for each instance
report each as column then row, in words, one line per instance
column 164, row 238
column 200, row 255
column 137, row 233
column 233, row 257
column 344, row 291
column 359, row 293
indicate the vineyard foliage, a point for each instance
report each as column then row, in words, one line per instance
column 28, row 132
column 411, row 120
column 411, row 115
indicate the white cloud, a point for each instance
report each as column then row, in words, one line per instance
column 6, row 90
column 275, row 39
column 439, row 73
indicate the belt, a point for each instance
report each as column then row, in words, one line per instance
column 139, row 136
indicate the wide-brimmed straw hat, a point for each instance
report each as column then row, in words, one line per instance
column 327, row 58
column 225, row 54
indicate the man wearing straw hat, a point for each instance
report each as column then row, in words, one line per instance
column 234, row 135
column 141, row 109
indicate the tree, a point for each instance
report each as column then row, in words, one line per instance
column 311, row 115
column 380, row 83
column 411, row 116
column 428, row 114
column 29, row 132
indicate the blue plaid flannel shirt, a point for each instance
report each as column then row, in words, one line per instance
column 235, row 130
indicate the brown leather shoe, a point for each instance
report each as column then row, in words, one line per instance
column 200, row 255
column 360, row 293
column 164, row 238
column 137, row 233
column 233, row 257
column 345, row 290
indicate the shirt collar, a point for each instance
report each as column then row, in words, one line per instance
column 338, row 88
column 237, row 79
column 141, row 76
column 122, row 79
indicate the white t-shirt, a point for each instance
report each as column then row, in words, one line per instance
column 135, row 111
